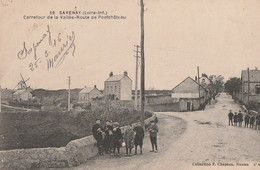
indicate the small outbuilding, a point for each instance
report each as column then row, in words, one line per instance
column 190, row 95
column 89, row 93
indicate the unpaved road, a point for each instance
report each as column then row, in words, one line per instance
column 187, row 139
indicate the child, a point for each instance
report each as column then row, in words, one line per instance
column 153, row 135
column 139, row 137
column 129, row 139
column 116, row 138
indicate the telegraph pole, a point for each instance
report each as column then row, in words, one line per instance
column 248, row 87
column 136, row 76
column 142, row 64
column 0, row 99
column 198, row 69
column 69, row 95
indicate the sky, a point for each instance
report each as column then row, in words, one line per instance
column 221, row 37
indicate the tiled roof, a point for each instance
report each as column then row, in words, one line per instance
column 86, row 90
column 115, row 78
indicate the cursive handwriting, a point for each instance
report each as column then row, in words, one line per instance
column 58, row 48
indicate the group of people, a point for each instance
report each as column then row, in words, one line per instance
column 237, row 119
column 110, row 137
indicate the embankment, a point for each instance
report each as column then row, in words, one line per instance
column 73, row 154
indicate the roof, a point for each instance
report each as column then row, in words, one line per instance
column 87, row 90
column 254, row 75
column 115, row 78
column 192, row 80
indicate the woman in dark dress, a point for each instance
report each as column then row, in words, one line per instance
column 116, row 138
column 139, row 137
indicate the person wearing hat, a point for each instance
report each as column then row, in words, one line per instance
column 129, row 136
column 257, row 121
column 108, row 136
column 139, row 137
column 230, row 117
column 247, row 117
column 240, row 118
column 97, row 133
column 252, row 121
column 235, row 119
column 153, row 130
column 116, row 138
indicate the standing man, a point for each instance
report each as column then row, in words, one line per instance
column 97, row 133
column 247, row 117
column 257, row 121
column 252, row 121
column 139, row 137
column 153, row 130
column 230, row 117
column 235, row 118
column 240, row 118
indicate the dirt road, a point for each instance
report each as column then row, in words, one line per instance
column 191, row 140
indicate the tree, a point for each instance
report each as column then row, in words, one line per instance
column 218, row 84
column 233, row 85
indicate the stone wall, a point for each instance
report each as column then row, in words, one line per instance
column 75, row 153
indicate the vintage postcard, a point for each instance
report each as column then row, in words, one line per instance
column 129, row 84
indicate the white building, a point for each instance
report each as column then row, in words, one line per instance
column 89, row 93
column 119, row 87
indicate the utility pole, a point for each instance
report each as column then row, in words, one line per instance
column 198, row 69
column 69, row 95
column 136, row 76
column 142, row 64
column 248, row 87
column 0, row 99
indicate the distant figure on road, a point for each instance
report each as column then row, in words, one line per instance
column 97, row 133
column 252, row 121
column 139, row 137
column 129, row 136
column 108, row 136
column 240, row 118
column 153, row 130
column 235, row 119
column 230, row 117
column 247, row 117
column 116, row 138
column 257, row 121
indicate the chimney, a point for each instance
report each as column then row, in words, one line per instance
column 111, row 74
column 95, row 86
column 125, row 73
column 85, row 86
column 196, row 78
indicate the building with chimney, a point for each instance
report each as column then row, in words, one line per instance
column 89, row 93
column 118, row 87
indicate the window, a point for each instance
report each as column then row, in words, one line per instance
column 111, row 89
column 107, row 89
column 115, row 89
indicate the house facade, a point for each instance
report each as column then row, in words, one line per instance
column 23, row 95
column 119, row 87
column 189, row 94
column 89, row 93
column 250, row 88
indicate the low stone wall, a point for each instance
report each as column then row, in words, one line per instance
column 75, row 153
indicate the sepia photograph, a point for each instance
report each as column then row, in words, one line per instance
column 130, row 85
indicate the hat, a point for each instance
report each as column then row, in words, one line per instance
column 239, row 110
